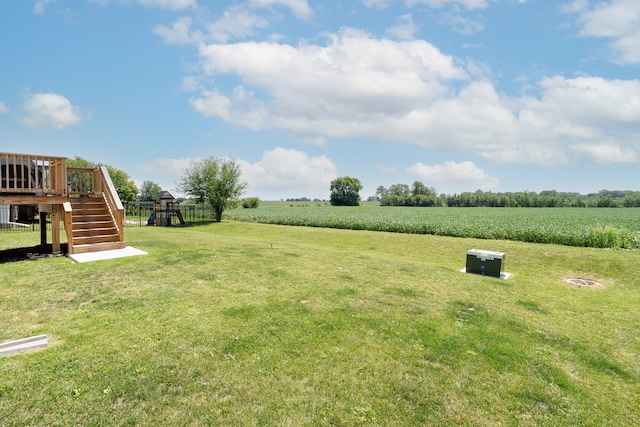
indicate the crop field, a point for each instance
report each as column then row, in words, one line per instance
column 587, row 227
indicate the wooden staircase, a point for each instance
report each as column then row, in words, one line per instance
column 93, row 226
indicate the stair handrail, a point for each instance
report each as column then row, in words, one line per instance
column 67, row 218
column 112, row 199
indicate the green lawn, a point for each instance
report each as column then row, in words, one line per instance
column 250, row 324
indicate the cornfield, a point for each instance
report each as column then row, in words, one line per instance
column 588, row 227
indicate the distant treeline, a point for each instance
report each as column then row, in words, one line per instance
column 303, row 199
column 421, row 195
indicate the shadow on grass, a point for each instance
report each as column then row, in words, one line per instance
column 30, row 253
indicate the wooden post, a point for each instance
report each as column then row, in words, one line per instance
column 55, row 229
column 43, row 228
column 97, row 182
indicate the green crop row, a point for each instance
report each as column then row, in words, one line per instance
column 588, row 227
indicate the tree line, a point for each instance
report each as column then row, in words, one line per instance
column 420, row 195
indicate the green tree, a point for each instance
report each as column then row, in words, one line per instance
column 345, row 191
column 250, row 203
column 79, row 162
column 148, row 191
column 125, row 187
column 215, row 181
column 419, row 189
column 397, row 195
column 381, row 193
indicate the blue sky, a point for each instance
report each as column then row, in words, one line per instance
column 497, row 95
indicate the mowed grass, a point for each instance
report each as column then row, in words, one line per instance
column 250, row 324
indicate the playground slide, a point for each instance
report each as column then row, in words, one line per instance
column 180, row 216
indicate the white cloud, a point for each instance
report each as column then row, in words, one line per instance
column 163, row 4
column 236, row 22
column 408, row 92
column 311, row 89
column 606, row 154
column 169, row 4
column 469, row 4
column 3, row 108
column 38, row 8
column 178, row 33
column 300, row 8
column 172, row 167
column 455, row 176
column 616, row 20
column 165, row 172
column 575, row 6
column 379, row 4
column 281, row 170
column 405, row 29
column 460, row 23
column 50, row 110
column 592, row 101
column 191, row 84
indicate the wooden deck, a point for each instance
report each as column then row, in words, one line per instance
column 26, row 179
column 64, row 193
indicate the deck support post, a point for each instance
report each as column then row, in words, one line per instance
column 43, row 228
column 55, row 229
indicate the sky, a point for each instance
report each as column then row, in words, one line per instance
column 462, row 95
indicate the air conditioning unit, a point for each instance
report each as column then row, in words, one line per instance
column 486, row 263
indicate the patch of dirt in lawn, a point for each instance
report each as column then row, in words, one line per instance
column 583, row 283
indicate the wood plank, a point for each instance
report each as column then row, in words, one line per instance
column 56, row 217
column 25, row 344
column 26, row 199
column 99, row 247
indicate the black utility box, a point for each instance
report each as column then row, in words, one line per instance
column 487, row 263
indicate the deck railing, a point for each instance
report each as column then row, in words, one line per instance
column 80, row 182
column 33, row 175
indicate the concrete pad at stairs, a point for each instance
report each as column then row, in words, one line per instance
column 102, row 255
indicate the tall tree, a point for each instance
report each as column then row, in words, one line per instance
column 148, row 191
column 214, row 181
column 381, row 192
column 345, row 191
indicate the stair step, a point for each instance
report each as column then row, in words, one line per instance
column 94, row 231
column 93, row 227
column 95, row 224
column 91, row 218
column 99, row 205
column 95, row 239
column 85, row 211
column 98, row 247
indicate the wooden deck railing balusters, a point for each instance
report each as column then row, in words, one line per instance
column 33, row 175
